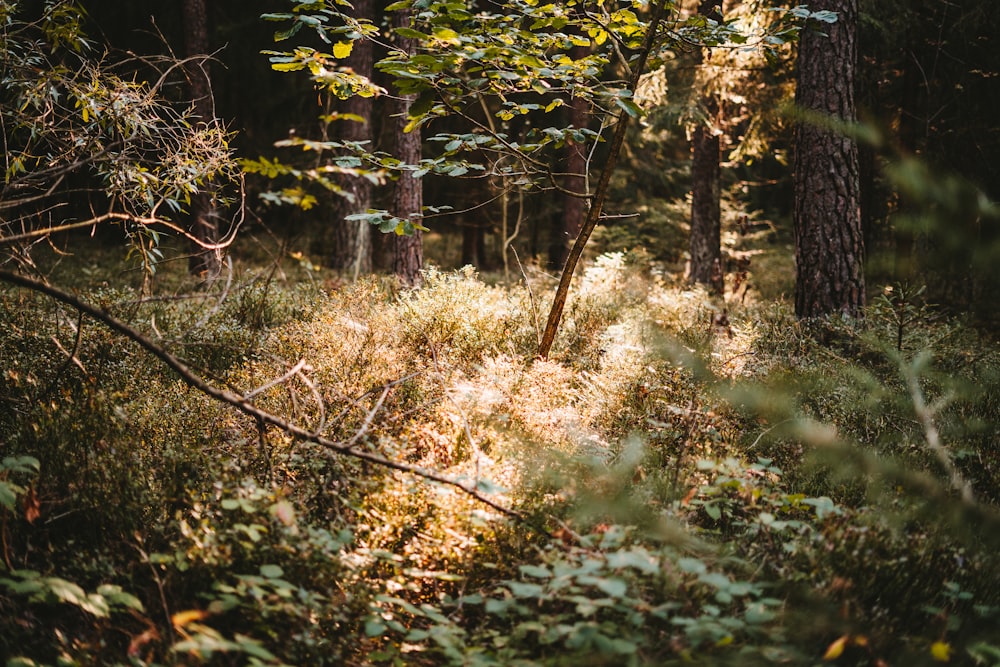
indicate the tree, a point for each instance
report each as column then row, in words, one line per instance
column 829, row 245
column 510, row 59
column 407, row 195
column 90, row 143
column 574, row 203
column 204, row 219
column 706, row 212
column 352, row 238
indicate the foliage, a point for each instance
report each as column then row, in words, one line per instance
column 84, row 133
column 667, row 537
column 695, row 480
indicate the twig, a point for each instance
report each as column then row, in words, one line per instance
column 194, row 381
column 932, row 436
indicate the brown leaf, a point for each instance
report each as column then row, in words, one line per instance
column 32, row 506
column 140, row 640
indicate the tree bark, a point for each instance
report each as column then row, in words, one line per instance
column 203, row 223
column 352, row 240
column 407, row 196
column 706, row 173
column 829, row 247
column 574, row 208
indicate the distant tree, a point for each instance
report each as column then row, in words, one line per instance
column 204, row 221
column 573, row 204
column 829, row 247
column 706, row 175
column 352, row 249
column 407, row 196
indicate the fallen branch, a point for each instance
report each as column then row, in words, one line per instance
column 241, row 403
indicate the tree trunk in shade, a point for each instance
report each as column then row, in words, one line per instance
column 352, row 240
column 407, row 196
column 574, row 209
column 203, row 224
column 706, row 211
column 829, row 247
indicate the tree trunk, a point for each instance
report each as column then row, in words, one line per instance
column 706, row 210
column 574, row 208
column 352, row 240
column 407, row 196
column 829, row 248
column 203, row 223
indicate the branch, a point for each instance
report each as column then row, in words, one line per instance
column 191, row 379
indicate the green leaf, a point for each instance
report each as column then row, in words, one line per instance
column 629, row 107
column 691, row 565
column 616, row 588
column 409, row 33
column 538, row 571
column 271, row 571
column 374, row 627
column 8, row 495
column 637, row 558
column 525, row 590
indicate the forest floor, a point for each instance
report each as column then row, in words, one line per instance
column 686, row 479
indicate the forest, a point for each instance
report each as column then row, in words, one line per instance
column 500, row 332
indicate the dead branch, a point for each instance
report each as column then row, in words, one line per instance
column 194, row 381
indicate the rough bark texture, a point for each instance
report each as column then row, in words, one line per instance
column 408, row 195
column 204, row 224
column 352, row 241
column 829, row 247
column 706, row 210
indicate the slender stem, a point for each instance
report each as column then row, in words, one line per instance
column 600, row 194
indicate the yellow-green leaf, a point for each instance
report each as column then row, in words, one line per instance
column 941, row 651
column 834, row 650
column 342, row 49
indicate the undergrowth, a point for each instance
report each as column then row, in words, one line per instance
column 734, row 489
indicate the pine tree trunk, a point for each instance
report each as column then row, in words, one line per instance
column 706, row 211
column 203, row 223
column 352, row 240
column 829, row 248
column 407, row 197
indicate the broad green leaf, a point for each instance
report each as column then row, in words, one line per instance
column 691, row 565
column 539, row 571
column 374, row 627
column 638, row 559
column 629, row 107
column 525, row 590
column 271, row 571
column 8, row 495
